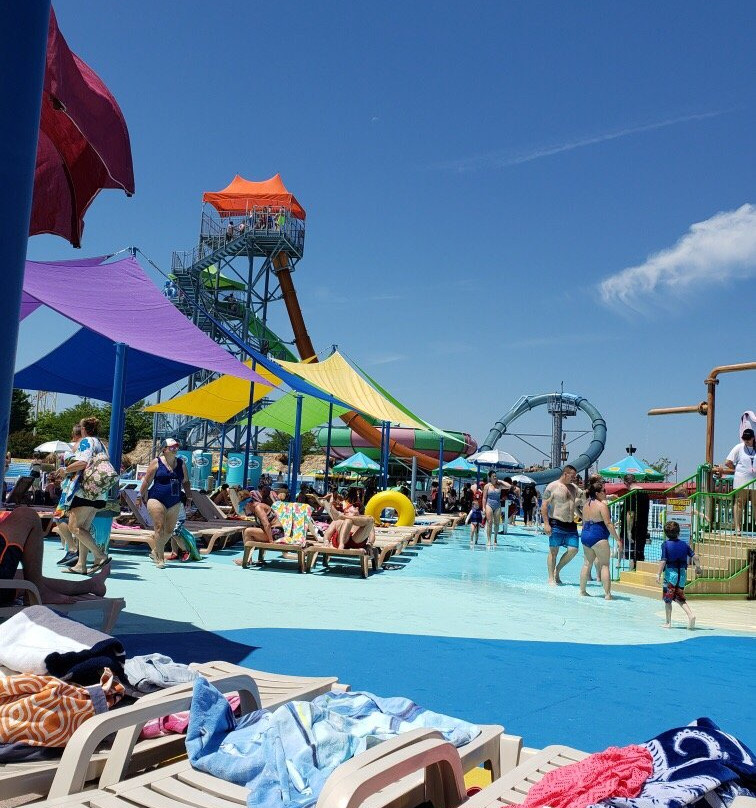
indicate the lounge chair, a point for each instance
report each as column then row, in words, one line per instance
column 110, row 607
column 225, row 531
column 404, row 770
column 256, row 688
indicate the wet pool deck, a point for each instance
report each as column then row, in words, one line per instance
column 474, row 633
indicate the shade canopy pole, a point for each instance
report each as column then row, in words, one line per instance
column 328, row 448
column 297, row 448
column 117, row 413
column 385, row 433
column 220, row 457
column 23, row 45
column 440, row 499
column 413, row 482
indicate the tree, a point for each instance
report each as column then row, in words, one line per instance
column 21, row 412
column 138, row 426
column 662, row 465
column 58, row 425
column 279, row 442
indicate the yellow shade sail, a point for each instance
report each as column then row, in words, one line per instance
column 337, row 377
column 219, row 400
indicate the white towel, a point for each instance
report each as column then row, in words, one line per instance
column 747, row 421
column 27, row 638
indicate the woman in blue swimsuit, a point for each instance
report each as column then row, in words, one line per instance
column 597, row 527
column 164, row 487
column 492, row 493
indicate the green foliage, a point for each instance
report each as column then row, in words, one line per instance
column 21, row 412
column 279, row 442
column 22, row 443
column 662, row 465
column 138, row 426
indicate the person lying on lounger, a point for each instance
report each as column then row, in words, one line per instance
column 350, row 528
column 21, row 543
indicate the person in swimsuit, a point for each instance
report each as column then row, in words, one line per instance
column 269, row 530
column 81, row 509
column 350, row 529
column 162, row 492
column 562, row 502
column 21, row 543
column 491, row 495
column 475, row 520
column 597, row 527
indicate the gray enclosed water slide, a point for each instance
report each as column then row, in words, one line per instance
column 527, row 403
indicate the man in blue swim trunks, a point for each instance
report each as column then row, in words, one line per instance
column 562, row 502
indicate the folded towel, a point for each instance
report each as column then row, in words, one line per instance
column 155, row 672
column 28, row 637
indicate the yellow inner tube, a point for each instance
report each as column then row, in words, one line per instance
column 404, row 508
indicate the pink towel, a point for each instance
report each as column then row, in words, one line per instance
column 176, row 723
column 615, row 772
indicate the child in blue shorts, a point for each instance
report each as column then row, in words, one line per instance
column 674, row 566
column 475, row 520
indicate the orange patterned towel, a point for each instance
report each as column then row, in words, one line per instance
column 615, row 772
column 45, row 711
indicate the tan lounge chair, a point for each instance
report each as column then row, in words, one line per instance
column 110, row 607
column 404, row 770
column 256, row 689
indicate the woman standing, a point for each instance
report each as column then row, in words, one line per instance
column 83, row 507
column 165, row 478
column 492, row 494
column 597, row 527
column 67, row 491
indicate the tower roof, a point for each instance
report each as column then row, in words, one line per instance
column 241, row 194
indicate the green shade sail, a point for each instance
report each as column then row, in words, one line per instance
column 282, row 414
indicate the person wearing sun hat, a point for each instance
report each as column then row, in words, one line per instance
column 161, row 491
column 742, row 461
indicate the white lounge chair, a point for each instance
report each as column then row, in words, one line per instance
column 257, row 688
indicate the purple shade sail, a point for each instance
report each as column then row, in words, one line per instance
column 119, row 301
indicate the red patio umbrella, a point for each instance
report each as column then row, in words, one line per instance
column 83, row 143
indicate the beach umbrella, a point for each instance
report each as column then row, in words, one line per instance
column 522, row 478
column 496, row 458
column 631, row 465
column 359, row 463
column 83, row 144
column 53, row 446
column 460, row 467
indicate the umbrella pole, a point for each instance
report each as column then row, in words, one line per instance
column 297, row 447
column 23, row 43
column 220, row 457
column 414, row 480
column 328, row 447
column 440, row 501
column 117, row 414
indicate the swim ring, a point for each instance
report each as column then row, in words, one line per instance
column 404, row 508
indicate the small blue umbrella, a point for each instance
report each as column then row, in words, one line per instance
column 631, row 465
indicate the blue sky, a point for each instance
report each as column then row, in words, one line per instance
column 500, row 196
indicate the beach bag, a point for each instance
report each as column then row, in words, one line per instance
column 98, row 477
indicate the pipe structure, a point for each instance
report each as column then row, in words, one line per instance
column 708, row 407
column 527, row 403
column 23, row 45
column 306, row 350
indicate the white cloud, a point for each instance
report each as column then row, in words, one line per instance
column 387, row 359
column 716, row 250
column 506, row 159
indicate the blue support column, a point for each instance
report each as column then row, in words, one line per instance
column 249, row 430
column 328, row 448
column 23, row 44
column 289, row 464
column 440, row 504
column 297, row 448
column 220, row 458
column 385, row 437
column 117, row 412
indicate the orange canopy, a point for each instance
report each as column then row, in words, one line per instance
column 241, row 195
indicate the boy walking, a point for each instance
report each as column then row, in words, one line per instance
column 674, row 566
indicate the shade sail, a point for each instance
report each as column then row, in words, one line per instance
column 83, row 143
column 28, row 305
column 84, row 365
column 340, row 379
column 242, row 195
column 119, row 301
column 218, row 400
column 282, row 414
